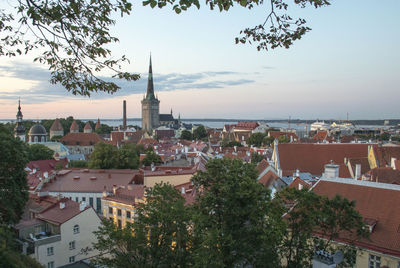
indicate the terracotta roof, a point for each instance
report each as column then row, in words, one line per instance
column 127, row 195
column 81, row 139
column 41, row 166
column 261, row 166
column 297, row 181
column 347, row 139
column 384, row 155
column 363, row 161
column 59, row 215
column 321, row 136
column 384, row 175
column 165, row 133
column 74, row 126
column 89, row 180
column 312, row 157
column 37, row 204
column 147, row 141
column 372, row 203
column 56, row 126
column 268, row 179
column 277, row 134
column 189, row 192
column 87, row 126
column 246, row 125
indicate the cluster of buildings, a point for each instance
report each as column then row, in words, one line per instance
column 66, row 205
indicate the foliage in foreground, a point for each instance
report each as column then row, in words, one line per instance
column 233, row 223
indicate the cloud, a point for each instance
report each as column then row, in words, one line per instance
column 42, row 91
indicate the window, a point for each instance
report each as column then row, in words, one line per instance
column 91, row 201
column 119, row 213
column 374, row 261
column 98, row 204
column 128, row 214
column 36, row 139
column 76, row 229
column 83, row 199
column 110, row 210
column 50, row 251
column 77, row 199
column 72, row 259
column 72, row 245
column 119, row 224
column 50, row 264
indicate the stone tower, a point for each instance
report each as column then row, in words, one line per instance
column 150, row 106
column 19, row 130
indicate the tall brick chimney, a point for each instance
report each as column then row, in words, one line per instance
column 124, row 116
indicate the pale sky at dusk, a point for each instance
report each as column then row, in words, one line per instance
column 349, row 62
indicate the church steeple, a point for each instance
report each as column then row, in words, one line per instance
column 150, row 85
column 19, row 113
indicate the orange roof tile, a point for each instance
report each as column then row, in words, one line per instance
column 81, row 139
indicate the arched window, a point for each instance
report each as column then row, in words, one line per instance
column 76, row 229
column 36, row 139
column 43, row 139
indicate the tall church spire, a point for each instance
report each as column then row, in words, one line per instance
column 150, row 85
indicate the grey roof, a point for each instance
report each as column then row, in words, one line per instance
column 166, row 117
column 37, row 129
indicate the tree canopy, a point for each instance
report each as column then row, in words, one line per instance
column 158, row 237
column 39, row 152
column 107, row 156
column 73, row 37
column 232, row 223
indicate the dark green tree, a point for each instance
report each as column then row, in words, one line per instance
column 151, row 158
column 256, row 158
column 283, row 139
column 186, row 135
column 104, row 156
column 13, row 160
column 267, row 141
column 159, row 236
column 13, row 196
column 234, row 222
column 104, row 129
column 78, row 164
column 39, row 152
column 256, row 139
column 199, row 133
column 128, row 156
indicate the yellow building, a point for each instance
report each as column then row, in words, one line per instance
column 120, row 205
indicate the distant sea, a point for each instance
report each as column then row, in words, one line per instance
column 212, row 123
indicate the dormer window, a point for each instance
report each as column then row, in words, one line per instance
column 370, row 224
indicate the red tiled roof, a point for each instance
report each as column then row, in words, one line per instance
column 277, row 134
column 58, row 216
column 384, row 154
column 56, row 126
column 189, row 192
column 268, row 179
column 371, row 203
column 261, row 166
column 297, row 181
column 384, row 175
column 363, row 161
column 88, row 126
column 165, row 133
column 81, row 139
column 127, row 195
column 246, row 125
column 74, row 126
column 312, row 157
column 41, row 166
column 347, row 139
column 89, row 180
column 147, row 141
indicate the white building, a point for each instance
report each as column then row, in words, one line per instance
column 57, row 232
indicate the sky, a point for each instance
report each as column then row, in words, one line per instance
column 348, row 63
